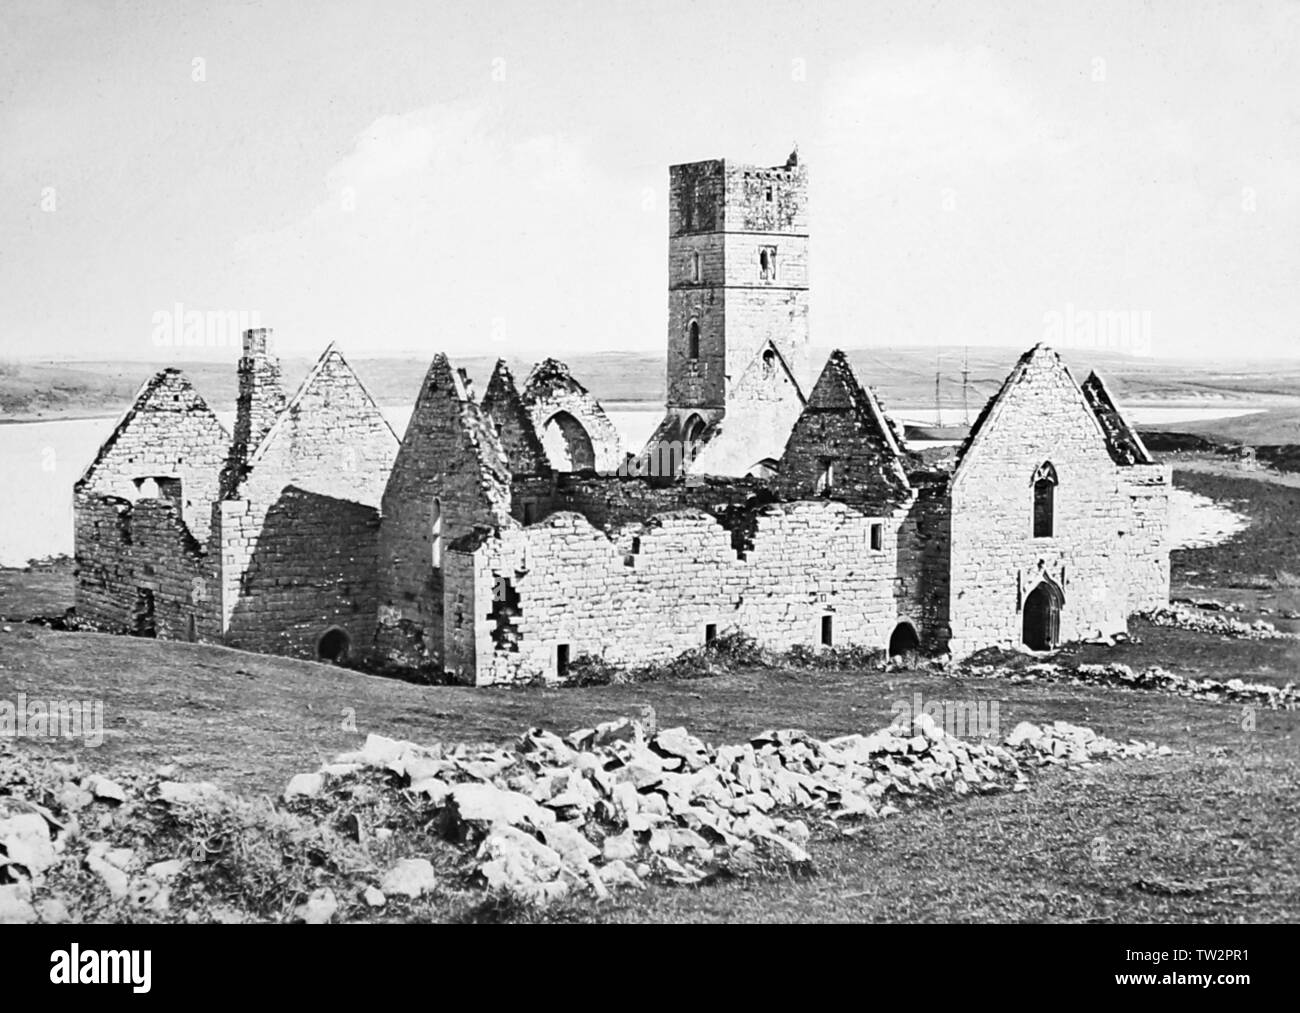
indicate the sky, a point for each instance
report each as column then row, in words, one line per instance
column 490, row 177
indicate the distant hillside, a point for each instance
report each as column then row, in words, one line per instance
column 901, row 376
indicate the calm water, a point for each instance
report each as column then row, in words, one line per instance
column 42, row 460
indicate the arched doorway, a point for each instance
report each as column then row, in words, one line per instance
column 904, row 641
column 766, row 468
column 1042, row 617
column 568, row 447
column 333, row 645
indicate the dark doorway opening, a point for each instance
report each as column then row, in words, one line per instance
column 562, row 660
column 1042, row 617
column 333, row 646
column 904, row 641
column 143, row 620
column 828, row 631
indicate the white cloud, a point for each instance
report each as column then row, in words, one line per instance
column 438, row 233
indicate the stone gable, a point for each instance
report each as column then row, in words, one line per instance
column 842, row 447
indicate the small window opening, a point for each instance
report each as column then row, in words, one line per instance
column 505, row 615
column 695, row 267
column 693, row 340
column 769, row 362
column 561, row 660
column 435, row 534
column 877, row 537
column 144, row 621
column 828, row 632
column 826, row 478
column 767, row 196
column 767, row 263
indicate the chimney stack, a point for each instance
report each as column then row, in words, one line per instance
column 261, row 399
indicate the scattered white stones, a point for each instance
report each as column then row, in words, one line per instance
column 103, row 788
column 306, row 785
column 319, row 908
column 605, row 808
column 410, row 877
column 1204, row 621
column 1155, row 678
column 187, row 793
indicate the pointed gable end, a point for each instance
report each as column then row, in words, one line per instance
column 503, row 405
column 331, row 439
column 1039, row 386
column 842, row 445
column 451, row 451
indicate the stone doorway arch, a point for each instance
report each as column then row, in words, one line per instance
column 1041, row 625
column 904, row 640
column 333, row 645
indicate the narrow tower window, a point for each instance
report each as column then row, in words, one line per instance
column 767, row 263
column 695, row 267
column 435, row 534
column 693, row 340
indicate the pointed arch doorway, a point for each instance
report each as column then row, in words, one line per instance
column 1041, row 625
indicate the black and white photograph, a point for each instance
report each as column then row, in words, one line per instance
column 649, row 463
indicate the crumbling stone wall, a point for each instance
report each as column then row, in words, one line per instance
column 923, row 546
column 842, row 446
column 450, row 478
column 1042, row 416
column 653, row 589
column 750, row 439
column 169, row 431
column 142, row 515
column 556, row 400
column 129, row 554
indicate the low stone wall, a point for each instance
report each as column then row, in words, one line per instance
column 525, row 598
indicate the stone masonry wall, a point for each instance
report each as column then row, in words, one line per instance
column 922, row 586
column 305, row 565
column 168, row 432
column 451, row 464
column 124, row 549
column 1146, row 542
column 1041, row 416
column 299, row 539
column 649, row 591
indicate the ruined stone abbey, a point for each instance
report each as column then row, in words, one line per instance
column 502, row 538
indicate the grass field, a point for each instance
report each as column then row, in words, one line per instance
column 1210, row 833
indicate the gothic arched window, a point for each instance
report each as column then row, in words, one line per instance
column 1045, row 483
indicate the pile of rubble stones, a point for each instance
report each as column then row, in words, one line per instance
column 1231, row 691
column 1204, row 621
column 610, row 807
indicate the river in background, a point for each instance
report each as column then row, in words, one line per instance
column 42, row 460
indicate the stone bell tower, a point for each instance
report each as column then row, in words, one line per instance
column 737, row 287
